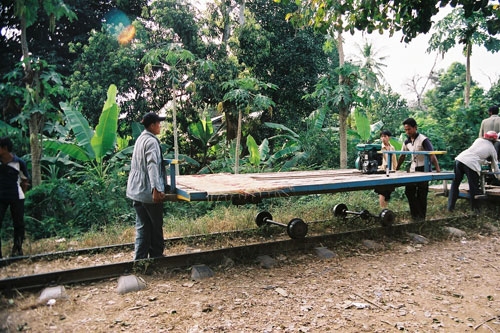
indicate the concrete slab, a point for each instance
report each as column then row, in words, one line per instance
column 324, row 253
column 129, row 283
column 57, row 292
column 200, row 272
column 266, row 261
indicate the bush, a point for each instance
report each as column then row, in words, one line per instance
column 61, row 208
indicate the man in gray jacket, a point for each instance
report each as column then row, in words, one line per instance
column 492, row 123
column 146, row 187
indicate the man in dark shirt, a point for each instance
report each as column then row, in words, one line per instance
column 13, row 184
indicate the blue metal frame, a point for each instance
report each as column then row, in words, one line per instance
column 172, row 164
column 427, row 156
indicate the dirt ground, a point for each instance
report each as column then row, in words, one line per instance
column 445, row 286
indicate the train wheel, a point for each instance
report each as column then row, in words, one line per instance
column 340, row 210
column 387, row 217
column 261, row 218
column 297, row 229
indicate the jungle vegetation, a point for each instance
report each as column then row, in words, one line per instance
column 247, row 86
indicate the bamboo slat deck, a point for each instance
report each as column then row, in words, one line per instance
column 246, row 187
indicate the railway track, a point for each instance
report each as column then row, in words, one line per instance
column 237, row 253
column 120, row 247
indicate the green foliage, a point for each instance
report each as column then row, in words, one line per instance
column 60, row 208
column 362, row 125
column 34, row 100
column 494, row 94
column 119, row 65
column 55, row 9
column 457, row 28
column 90, row 146
column 410, row 17
column 449, row 125
column 312, row 147
column 254, row 151
column 274, row 51
column 390, row 107
column 449, row 88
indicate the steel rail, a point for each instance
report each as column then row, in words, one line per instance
column 238, row 253
column 114, row 247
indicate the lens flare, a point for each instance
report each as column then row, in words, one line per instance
column 118, row 25
column 126, row 35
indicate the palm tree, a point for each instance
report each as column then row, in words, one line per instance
column 456, row 28
column 371, row 63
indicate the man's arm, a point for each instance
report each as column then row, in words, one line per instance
column 153, row 170
column 24, row 175
column 427, row 145
column 400, row 161
column 434, row 161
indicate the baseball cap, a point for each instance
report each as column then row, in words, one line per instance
column 491, row 135
column 151, row 118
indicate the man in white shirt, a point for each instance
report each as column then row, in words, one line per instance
column 469, row 163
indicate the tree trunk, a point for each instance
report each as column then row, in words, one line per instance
column 24, row 46
column 237, row 148
column 242, row 13
column 467, row 75
column 231, row 126
column 36, row 119
column 343, row 111
column 176, row 138
column 226, row 12
column 35, row 127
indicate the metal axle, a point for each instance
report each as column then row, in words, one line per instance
column 296, row 228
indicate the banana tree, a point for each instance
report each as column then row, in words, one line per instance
column 91, row 146
column 296, row 144
column 203, row 131
column 244, row 94
column 364, row 130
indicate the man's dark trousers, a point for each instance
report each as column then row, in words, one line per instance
column 17, row 214
column 417, row 198
column 474, row 188
column 149, row 229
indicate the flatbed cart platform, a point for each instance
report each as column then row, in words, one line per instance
column 251, row 187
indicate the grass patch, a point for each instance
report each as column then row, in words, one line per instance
column 183, row 219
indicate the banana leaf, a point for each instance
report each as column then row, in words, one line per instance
column 282, row 127
column 137, row 129
column 283, row 152
column 362, row 125
column 302, row 155
column 264, row 149
column 105, row 133
column 80, row 126
column 70, row 149
column 254, row 151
